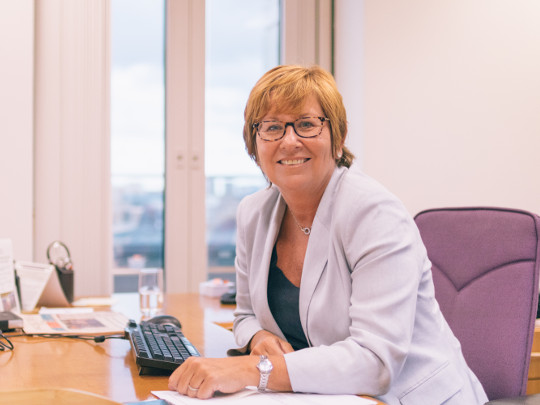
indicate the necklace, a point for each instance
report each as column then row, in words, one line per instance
column 306, row 230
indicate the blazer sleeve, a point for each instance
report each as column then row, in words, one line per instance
column 245, row 322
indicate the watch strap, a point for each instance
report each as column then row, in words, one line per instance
column 263, row 382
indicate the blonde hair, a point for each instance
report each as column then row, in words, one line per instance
column 285, row 88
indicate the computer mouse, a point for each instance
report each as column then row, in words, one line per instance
column 165, row 320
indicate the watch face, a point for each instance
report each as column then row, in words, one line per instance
column 265, row 366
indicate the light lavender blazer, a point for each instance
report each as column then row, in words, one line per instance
column 367, row 302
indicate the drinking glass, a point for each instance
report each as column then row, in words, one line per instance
column 151, row 291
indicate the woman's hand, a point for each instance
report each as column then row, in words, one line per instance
column 264, row 342
column 201, row 377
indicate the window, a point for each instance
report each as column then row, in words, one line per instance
column 137, row 137
column 239, row 49
column 164, row 92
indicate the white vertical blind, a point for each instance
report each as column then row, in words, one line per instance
column 72, row 168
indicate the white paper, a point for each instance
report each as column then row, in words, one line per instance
column 9, row 299
column 81, row 310
column 251, row 396
column 94, row 302
column 33, row 277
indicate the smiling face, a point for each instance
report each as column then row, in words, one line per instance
column 296, row 164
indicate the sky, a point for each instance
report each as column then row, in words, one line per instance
column 241, row 44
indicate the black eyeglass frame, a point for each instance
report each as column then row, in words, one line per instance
column 291, row 123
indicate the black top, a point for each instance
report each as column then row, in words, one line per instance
column 283, row 299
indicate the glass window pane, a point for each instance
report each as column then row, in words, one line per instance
column 137, row 136
column 242, row 42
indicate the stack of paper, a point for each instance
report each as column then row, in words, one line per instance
column 251, row 396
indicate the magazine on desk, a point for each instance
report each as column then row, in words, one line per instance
column 75, row 323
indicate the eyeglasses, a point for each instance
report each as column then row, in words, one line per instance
column 305, row 127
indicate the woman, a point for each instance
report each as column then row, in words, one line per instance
column 334, row 287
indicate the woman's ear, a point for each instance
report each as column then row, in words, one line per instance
column 339, row 151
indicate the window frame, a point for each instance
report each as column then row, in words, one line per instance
column 306, row 35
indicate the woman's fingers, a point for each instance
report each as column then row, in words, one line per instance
column 181, row 379
column 201, row 378
column 271, row 345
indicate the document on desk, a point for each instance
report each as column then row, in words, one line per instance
column 74, row 323
column 251, row 396
column 9, row 298
column 40, row 285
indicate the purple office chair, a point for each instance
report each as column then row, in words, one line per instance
column 485, row 265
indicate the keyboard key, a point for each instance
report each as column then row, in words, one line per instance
column 144, row 354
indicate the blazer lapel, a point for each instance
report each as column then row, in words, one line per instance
column 317, row 251
column 314, row 265
column 261, row 281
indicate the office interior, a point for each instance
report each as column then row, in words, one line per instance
column 443, row 102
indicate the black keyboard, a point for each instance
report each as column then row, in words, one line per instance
column 158, row 349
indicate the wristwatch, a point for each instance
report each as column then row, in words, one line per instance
column 265, row 368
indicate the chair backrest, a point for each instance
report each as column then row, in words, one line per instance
column 485, row 264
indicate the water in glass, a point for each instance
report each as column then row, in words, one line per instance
column 151, row 291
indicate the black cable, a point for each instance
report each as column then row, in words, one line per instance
column 97, row 339
column 5, row 343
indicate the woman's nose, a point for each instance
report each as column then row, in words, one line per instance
column 290, row 135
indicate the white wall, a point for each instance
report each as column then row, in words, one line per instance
column 450, row 100
column 16, row 124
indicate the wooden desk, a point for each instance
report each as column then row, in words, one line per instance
column 533, row 385
column 108, row 369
